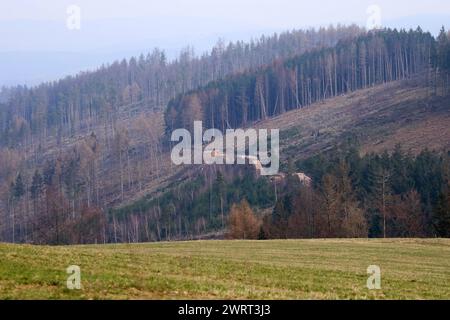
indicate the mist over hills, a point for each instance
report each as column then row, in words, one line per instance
column 38, row 51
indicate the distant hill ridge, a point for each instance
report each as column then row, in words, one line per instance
column 374, row 58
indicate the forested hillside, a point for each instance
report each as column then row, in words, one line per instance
column 93, row 141
column 368, row 60
column 377, row 132
column 79, row 103
column 85, row 159
column 389, row 195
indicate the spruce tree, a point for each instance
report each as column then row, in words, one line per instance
column 441, row 216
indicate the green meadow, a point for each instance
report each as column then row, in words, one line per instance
column 285, row 269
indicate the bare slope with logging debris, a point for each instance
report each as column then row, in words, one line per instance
column 403, row 112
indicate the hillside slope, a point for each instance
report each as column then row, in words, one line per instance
column 406, row 113
column 402, row 112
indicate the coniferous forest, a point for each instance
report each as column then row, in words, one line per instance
column 388, row 195
column 86, row 159
column 353, row 64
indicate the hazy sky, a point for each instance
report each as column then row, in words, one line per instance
column 256, row 13
column 35, row 43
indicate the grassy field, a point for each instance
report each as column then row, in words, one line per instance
column 310, row 269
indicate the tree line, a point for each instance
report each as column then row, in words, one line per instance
column 378, row 196
column 192, row 209
column 370, row 59
column 353, row 196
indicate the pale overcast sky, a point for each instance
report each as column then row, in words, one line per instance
column 260, row 13
column 33, row 33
